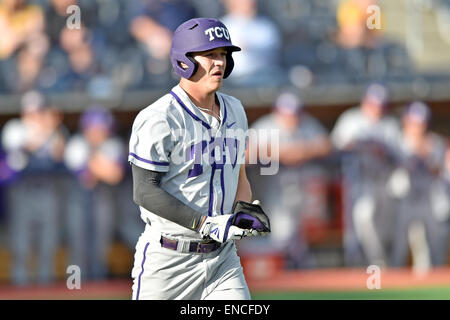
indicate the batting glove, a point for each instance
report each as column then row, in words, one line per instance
column 255, row 222
column 219, row 228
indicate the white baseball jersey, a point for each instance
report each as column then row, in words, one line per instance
column 200, row 155
column 353, row 125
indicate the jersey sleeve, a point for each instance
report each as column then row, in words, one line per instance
column 343, row 133
column 151, row 142
column 314, row 129
column 245, row 133
column 113, row 149
column 76, row 154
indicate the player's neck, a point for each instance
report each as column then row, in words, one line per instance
column 198, row 96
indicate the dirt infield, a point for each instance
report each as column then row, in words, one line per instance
column 347, row 279
column 113, row 289
column 313, row 280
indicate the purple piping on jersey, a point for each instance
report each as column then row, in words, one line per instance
column 149, row 161
column 211, row 190
column 224, row 111
column 235, row 158
column 189, row 111
column 222, row 185
column 142, row 271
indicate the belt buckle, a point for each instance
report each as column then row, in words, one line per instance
column 199, row 246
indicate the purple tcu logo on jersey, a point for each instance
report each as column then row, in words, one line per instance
column 219, row 32
column 218, row 152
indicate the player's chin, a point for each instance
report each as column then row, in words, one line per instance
column 216, row 83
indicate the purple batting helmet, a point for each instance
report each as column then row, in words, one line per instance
column 199, row 34
column 96, row 116
column 418, row 111
column 378, row 93
column 289, row 103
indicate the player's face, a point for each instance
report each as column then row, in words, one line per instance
column 373, row 109
column 96, row 134
column 288, row 121
column 211, row 68
column 413, row 126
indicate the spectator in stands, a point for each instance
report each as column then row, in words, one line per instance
column 152, row 25
column 367, row 138
column 27, row 66
column 82, row 59
column 57, row 16
column 97, row 157
column 19, row 22
column 363, row 50
column 260, row 40
column 35, row 146
column 352, row 23
column 421, row 223
column 302, row 139
column 23, row 45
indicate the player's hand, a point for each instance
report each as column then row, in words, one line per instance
column 219, row 228
column 254, row 232
column 251, row 217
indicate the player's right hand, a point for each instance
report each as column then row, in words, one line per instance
column 219, row 228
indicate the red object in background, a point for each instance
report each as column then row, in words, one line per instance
column 262, row 266
column 320, row 229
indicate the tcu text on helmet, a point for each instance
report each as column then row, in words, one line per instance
column 218, row 31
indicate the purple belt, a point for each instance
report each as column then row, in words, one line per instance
column 189, row 246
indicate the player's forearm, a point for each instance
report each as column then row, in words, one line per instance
column 296, row 153
column 105, row 169
column 244, row 190
column 148, row 194
column 318, row 148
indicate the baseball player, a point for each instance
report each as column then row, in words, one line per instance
column 368, row 138
column 95, row 156
column 302, row 139
column 187, row 152
column 421, row 219
column 34, row 145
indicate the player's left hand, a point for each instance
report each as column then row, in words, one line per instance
column 251, row 217
column 220, row 228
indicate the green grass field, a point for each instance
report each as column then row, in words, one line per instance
column 422, row 293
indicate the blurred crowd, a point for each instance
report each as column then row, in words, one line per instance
column 74, row 188
column 113, row 46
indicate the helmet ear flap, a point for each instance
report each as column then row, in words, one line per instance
column 230, row 65
column 191, row 64
column 194, row 63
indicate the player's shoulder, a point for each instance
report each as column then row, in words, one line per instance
column 13, row 134
column 353, row 112
column 232, row 102
column 437, row 140
column 163, row 108
column 391, row 122
column 230, row 99
column 309, row 122
column 77, row 141
column 307, row 118
column 265, row 122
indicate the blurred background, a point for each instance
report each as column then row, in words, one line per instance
column 359, row 91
